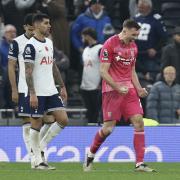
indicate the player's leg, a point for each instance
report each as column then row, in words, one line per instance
column 111, row 102
column 56, row 108
column 99, row 138
column 139, row 143
column 48, row 120
column 24, row 112
column 56, row 127
column 134, row 112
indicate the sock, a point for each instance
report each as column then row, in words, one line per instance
column 26, row 136
column 34, row 142
column 43, row 130
column 54, row 130
column 139, row 145
column 98, row 140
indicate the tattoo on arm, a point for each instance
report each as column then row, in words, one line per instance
column 57, row 76
column 29, row 77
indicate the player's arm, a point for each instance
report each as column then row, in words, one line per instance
column 12, row 62
column 141, row 91
column 29, row 58
column 104, row 68
column 59, row 81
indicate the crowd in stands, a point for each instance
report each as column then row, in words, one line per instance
column 157, row 64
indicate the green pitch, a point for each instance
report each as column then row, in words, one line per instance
column 102, row 171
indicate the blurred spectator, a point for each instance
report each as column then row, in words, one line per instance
column 118, row 11
column 108, row 31
column 62, row 62
column 9, row 35
column 150, row 40
column 56, row 9
column 171, row 54
column 94, row 17
column 1, row 28
column 90, row 84
column 163, row 102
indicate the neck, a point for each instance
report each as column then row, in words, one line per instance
column 169, row 83
column 123, row 38
column 39, row 36
column 92, row 42
column 27, row 35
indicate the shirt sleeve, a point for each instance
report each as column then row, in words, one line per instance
column 29, row 53
column 13, row 51
column 106, row 55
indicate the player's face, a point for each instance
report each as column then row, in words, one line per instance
column 44, row 27
column 29, row 30
column 132, row 34
column 177, row 38
column 96, row 8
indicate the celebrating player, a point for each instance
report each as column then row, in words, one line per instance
column 120, row 91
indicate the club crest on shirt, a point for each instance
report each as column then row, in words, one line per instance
column 105, row 55
column 11, row 49
column 28, row 50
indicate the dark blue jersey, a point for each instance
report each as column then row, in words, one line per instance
column 152, row 31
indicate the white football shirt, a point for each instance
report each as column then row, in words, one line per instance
column 40, row 53
column 16, row 50
column 91, row 62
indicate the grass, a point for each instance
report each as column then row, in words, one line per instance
column 102, row 171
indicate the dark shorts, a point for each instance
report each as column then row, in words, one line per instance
column 45, row 104
column 23, row 106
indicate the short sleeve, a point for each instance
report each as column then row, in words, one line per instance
column 29, row 53
column 106, row 55
column 13, row 50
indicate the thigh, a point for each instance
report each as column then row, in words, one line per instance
column 131, row 104
column 111, row 106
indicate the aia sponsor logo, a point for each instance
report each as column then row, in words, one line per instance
column 46, row 60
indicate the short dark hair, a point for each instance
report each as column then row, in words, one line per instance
column 28, row 19
column 130, row 23
column 39, row 17
column 90, row 31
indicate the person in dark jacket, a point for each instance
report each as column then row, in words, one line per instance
column 171, row 54
column 94, row 17
column 163, row 102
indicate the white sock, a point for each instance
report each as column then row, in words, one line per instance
column 34, row 141
column 26, row 137
column 43, row 130
column 54, row 130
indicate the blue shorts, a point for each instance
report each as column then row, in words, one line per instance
column 45, row 104
column 24, row 106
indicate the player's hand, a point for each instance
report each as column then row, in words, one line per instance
column 33, row 101
column 63, row 94
column 15, row 96
column 142, row 92
column 123, row 90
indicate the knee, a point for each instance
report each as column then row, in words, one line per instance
column 138, row 123
column 63, row 121
column 107, row 130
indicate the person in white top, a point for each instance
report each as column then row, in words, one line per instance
column 42, row 93
column 15, row 58
column 90, row 84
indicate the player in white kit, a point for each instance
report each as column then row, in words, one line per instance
column 15, row 58
column 42, row 93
